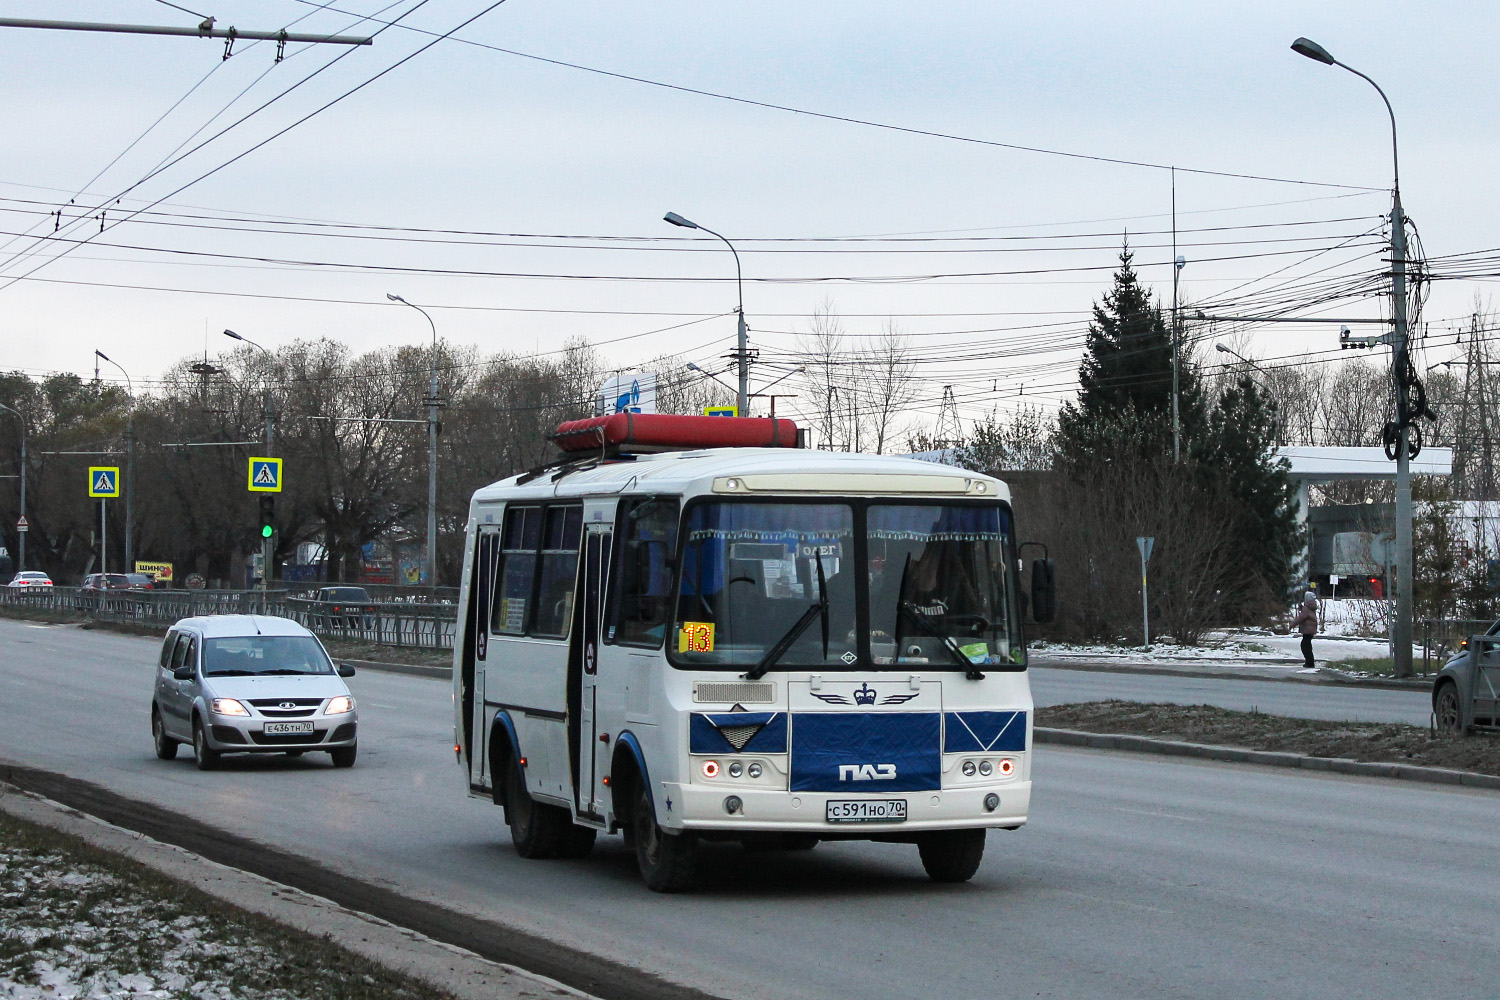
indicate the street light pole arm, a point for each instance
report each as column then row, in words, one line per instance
column 1395, row 157
column 739, row 277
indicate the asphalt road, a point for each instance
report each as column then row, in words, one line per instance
column 1137, row 877
column 1058, row 686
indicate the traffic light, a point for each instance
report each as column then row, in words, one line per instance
column 267, row 515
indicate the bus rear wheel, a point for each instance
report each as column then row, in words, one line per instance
column 536, row 829
column 668, row 862
column 951, row 855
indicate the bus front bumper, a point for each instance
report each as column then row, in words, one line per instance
column 704, row 807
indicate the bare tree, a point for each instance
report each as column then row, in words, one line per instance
column 889, row 380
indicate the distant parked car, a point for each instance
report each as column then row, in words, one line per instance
column 343, row 607
column 107, row 581
column 140, row 581
column 30, row 578
column 250, row 684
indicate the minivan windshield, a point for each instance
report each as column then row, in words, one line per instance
column 833, row 585
column 252, row 655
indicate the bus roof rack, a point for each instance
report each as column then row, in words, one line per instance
column 643, row 433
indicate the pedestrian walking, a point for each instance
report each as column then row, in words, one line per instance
column 1306, row 621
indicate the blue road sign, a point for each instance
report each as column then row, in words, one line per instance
column 104, row 481
column 265, row 475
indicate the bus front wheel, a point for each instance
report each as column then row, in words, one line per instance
column 668, row 862
column 951, row 855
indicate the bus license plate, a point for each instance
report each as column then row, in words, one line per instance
column 288, row 727
column 866, row 810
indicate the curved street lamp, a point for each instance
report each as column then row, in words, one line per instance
column 267, row 544
column 129, row 461
column 432, row 436
column 1401, row 628
column 741, row 352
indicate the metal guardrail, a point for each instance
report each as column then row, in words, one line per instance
column 418, row 625
column 1441, row 638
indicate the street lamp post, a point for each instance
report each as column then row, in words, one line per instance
column 742, row 351
column 267, row 544
column 1177, row 267
column 1401, row 628
column 20, row 535
column 432, row 436
column 129, row 464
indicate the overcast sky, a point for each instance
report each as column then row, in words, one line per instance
column 470, row 139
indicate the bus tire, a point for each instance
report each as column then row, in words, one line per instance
column 951, row 855
column 577, row 841
column 668, row 861
column 536, row 829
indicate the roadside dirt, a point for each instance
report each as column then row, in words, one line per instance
column 1385, row 743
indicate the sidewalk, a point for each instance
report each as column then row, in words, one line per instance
column 1260, row 669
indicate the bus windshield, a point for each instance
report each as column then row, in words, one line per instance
column 768, row 586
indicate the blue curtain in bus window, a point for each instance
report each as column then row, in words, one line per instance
column 944, row 524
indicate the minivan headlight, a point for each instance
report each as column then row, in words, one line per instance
column 228, row 706
column 339, row 705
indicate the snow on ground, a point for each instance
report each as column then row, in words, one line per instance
column 77, row 931
column 1252, row 647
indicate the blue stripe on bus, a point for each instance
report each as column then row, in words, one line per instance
column 704, row 735
column 984, row 732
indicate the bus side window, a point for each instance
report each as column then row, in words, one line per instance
column 559, row 572
column 643, row 577
column 517, row 573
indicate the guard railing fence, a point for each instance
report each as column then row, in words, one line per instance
column 1441, row 638
column 418, row 624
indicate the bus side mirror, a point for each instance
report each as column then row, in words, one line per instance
column 1043, row 590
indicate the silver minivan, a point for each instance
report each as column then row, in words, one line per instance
column 250, row 684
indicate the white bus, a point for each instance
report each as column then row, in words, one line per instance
column 772, row 645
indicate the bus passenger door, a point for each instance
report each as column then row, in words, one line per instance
column 476, row 649
column 583, row 714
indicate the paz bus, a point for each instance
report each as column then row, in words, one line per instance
column 691, row 629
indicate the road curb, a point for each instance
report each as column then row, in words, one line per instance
column 1272, row 758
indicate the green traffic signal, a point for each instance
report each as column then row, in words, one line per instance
column 266, row 530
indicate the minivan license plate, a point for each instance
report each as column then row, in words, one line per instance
column 273, row 728
column 866, row 810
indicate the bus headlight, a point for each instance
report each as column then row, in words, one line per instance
column 754, row 770
column 985, row 767
column 736, row 769
column 968, row 769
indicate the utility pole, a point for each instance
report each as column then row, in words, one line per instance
column 268, row 542
column 1401, row 627
column 433, row 403
column 129, row 458
column 742, row 342
column 1177, row 264
column 21, row 530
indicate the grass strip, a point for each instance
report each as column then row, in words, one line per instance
column 80, row 920
column 1378, row 742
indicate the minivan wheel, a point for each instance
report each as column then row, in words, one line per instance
column 1446, row 709
column 166, row 747
column 344, row 756
column 205, row 756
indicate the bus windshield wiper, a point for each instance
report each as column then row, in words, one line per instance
column 918, row 619
column 819, row 608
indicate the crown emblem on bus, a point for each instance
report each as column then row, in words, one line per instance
column 864, row 695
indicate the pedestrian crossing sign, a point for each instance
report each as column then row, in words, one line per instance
column 104, row 481
column 265, row 475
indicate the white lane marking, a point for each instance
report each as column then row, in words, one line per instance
column 1160, row 815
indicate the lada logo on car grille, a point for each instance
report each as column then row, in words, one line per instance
column 867, row 772
column 287, row 704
